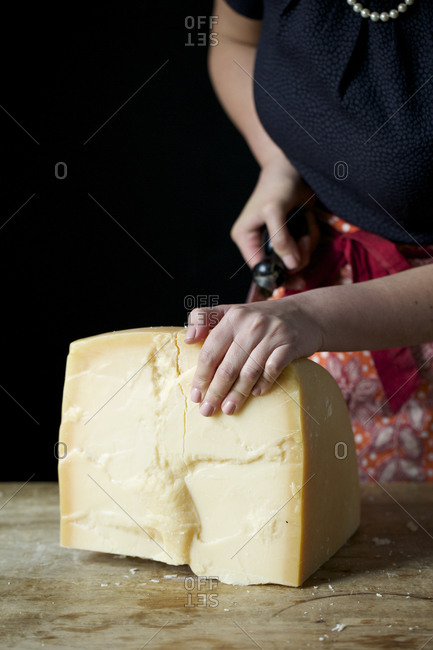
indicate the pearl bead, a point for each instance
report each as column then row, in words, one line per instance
column 375, row 16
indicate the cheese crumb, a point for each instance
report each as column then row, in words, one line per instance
column 381, row 541
column 339, row 627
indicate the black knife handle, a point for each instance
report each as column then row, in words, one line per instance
column 270, row 272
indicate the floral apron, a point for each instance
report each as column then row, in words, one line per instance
column 389, row 393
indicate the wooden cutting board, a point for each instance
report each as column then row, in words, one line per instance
column 376, row 592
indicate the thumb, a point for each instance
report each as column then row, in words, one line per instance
column 201, row 320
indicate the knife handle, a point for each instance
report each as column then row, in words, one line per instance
column 270, row 272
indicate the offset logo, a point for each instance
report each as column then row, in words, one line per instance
column 202, row 300
column 340, row 450
column 60, row 170
column 199, row 31
column 196, row 586
column 341, row 170
column 60, row 450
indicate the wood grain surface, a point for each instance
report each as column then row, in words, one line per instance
column 376, row 592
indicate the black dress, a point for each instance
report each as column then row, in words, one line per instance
column 350, row 102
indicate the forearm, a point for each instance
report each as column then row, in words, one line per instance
column 231, row 70
column 393, row 311
column 390, row 312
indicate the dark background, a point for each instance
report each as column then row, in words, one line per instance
column 169, row 167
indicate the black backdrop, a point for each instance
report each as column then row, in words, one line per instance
column 112, row 142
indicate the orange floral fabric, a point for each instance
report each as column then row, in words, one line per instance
column 391, row 446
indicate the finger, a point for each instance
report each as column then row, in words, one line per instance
column 211, row 355
column 307, row 243
column 247, row 235
column 281, row 239
column 305, row 248
column 202, row 320
column 238, row 352
column 213, row 350
column 223, row 379
column 248, row 378
column 275, row 364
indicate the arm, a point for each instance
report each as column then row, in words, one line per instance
column 251, row 344
column 279, row 188
column 238, row 38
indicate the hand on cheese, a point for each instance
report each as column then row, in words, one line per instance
column 266, row 495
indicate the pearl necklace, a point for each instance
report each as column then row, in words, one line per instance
column 375, row 15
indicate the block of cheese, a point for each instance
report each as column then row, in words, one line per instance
column 263, row 496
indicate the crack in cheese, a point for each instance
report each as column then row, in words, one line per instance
column 263, row 496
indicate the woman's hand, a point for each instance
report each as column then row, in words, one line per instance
column 279, row 189
column 246, row 348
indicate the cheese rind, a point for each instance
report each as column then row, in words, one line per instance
column 265, row 495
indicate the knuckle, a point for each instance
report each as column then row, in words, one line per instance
column 280, row 331
column 226, row 372
column 258, row 322
column 212, row 318
column 194, row 312
column 250, row 373
column 214, row 395
column 207, row 356
column 262, row 387
column 200, row 381
column 270, row 372
column 235, row 313
column 234, row 233
column 272, row 210
column 197, row 316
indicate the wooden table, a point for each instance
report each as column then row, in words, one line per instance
column 375, row 592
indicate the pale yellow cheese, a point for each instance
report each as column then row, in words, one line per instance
column 266, row 495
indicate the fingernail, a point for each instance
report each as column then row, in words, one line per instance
column 190, row 333
column 256, row 391
column 207, row 409
column 291, row 261
column 195, row 395
column 228, row 407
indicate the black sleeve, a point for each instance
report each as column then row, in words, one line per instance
column 248, row 8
